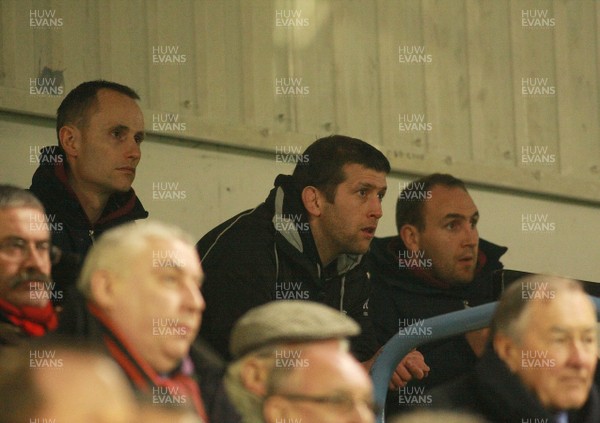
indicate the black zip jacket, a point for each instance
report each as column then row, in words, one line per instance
column 400, row 297
column 268, row 253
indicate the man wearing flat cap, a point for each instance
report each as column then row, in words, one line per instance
column 291, row 363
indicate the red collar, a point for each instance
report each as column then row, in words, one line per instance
column 35, row 321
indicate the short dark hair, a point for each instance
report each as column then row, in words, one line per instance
column 411, row 200
column 76, row 105
column 326, row 158
column 15, row 197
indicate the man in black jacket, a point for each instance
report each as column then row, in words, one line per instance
column 539, row 366
column 85, row 181
column 305, row 242
column 437, row 264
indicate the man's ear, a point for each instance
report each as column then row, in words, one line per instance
column 410, row 236
column 275, row 410
column 254, row 375
column 508, row 351
column 312, row 200
column 69, row 137
column 102, row 287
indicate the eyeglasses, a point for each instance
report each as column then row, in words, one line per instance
column 343, row 403
column 17, row 249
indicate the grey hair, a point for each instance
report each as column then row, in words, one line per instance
column 115, row 248
column 511, row 314
column 15, row 197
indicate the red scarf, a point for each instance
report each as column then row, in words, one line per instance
column 35, row 321
column 143, row 377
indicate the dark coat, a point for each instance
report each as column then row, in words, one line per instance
column 491, row 390
column 399, row 296
column 71, row 230
column 268, row 253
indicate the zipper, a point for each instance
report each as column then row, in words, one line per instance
column 91, row 234
column 342, row 292
column 466, row 304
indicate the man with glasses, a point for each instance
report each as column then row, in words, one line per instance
column 292, row 364
column 26, row 255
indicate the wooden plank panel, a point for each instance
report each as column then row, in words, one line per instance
column 576, row 55
column 595, row 170
column 8, row 13
column 312, row 60
column 218, row 61
column 79, row 42
column 212, row 78
column 139, row 52
column 534, row 85
column 447, row 80
column 490, row 83
column 402, row 80
column 263, row 65
column 577, row 83
column 106, row 41
column 356, row 65
column 25, row 62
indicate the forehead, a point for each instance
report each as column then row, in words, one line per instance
column 448, row 200
column 330, row 368
column 566, row 309
column 23, row 222
column 356, row 173
column 115, row 106
column 171, row 253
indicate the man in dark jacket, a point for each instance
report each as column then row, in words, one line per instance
column 85, row 181
column 144, row 306
column 436, row 265
column 305, row 242
column 539, row 366
column 26, row 309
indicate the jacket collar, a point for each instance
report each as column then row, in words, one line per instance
column 291, row 223
column 50, row 184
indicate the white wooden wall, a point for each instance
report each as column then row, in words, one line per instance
column 231, row 54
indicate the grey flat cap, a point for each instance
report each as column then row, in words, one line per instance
column 288, row 321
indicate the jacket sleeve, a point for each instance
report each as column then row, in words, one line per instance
column 384, row 315
column 239, row 275
column 365, row 345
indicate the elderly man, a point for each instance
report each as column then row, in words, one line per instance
column 541, row 362
column 25, row 261
column 292, row 364
column 142, row 285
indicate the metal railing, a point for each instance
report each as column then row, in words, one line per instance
column 439, row 327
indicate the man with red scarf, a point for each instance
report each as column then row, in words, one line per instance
column 25, row 263
column 142, row 285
